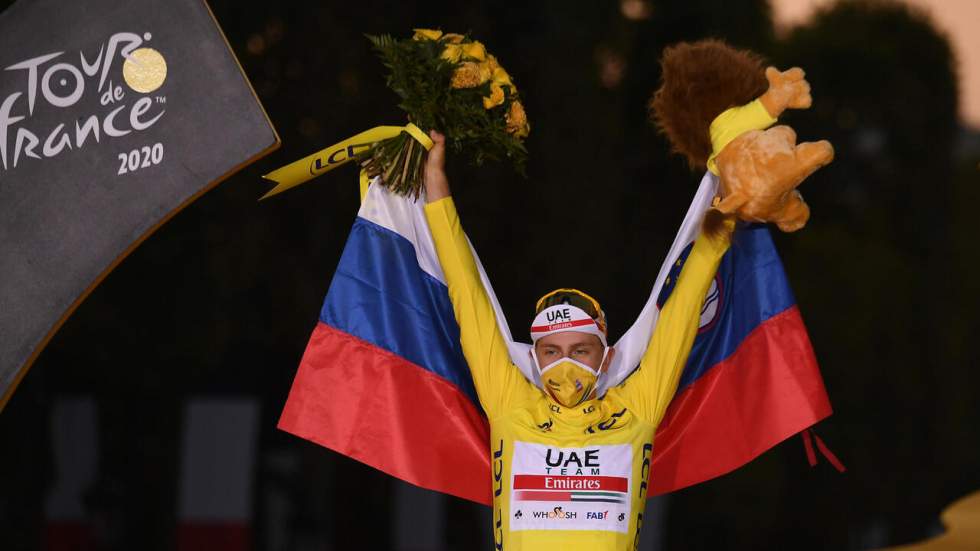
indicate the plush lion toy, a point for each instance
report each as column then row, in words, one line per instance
column 715, row 104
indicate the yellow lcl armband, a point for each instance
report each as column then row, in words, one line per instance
column 734, row 122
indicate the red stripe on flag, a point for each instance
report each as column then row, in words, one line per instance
column 546, row 482
column 543, row 496
column 384, row 411
column 769, row 389
column 207, row 536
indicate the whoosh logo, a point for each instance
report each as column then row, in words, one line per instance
column 555, row 514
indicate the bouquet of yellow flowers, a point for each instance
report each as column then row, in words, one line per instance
column 448, row 82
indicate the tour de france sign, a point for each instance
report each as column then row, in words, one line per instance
column 114, row 115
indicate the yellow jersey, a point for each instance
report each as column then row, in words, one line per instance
column 569, row 478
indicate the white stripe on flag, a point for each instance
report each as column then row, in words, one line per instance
column 405, row 217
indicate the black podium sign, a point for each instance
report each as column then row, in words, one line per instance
column 114, row 115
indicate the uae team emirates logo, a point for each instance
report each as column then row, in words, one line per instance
column 571, row 488
column 586, row 485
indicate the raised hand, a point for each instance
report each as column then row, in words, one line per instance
column 436, row 182
column 787, row 90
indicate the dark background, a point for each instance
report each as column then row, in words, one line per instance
column 221, row 300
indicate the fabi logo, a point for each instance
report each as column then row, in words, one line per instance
column 59, row 81
column 597, row 515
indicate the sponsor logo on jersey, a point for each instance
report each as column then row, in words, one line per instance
column 555, row 514
column 567, row 484
column 609, row 423
column 498, row 488
column 644, row 476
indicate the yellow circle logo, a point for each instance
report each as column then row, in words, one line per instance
column 145, row 70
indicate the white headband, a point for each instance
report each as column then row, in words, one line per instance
column 561, row 318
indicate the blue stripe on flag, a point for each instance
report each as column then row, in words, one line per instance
column 754, row 288
column 381, row 295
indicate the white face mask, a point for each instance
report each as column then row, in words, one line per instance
column 569, row 382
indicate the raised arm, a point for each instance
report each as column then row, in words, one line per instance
column 650, row 388
column 497, row 380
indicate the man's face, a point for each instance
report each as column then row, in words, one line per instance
column 581, row 347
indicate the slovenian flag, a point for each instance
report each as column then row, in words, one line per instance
column 383, row 379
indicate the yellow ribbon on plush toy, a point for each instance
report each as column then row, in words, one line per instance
column 329, row 158
column 734, row 122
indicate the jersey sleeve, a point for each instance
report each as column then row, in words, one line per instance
column 497, row 380
column 649, row 390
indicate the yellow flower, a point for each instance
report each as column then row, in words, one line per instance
column 492, row 63
column 517, row 120
column 501, row 77
column 453, row 38
column 475, row 50
column 470, row 75
column 495, row 98
column 452, row 53
column 426, row 34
